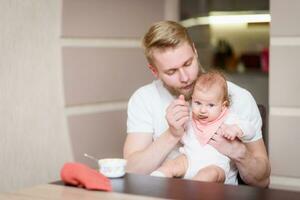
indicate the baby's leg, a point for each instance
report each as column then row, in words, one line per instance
column 172, row 168
column 211, row 173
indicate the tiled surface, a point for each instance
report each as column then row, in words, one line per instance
column 284, row 76
column 109, row 18
column 285, row 18
column 284, row 138
column 103, row 74
column 101, row 135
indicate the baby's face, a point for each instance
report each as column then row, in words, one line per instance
column 207, row 105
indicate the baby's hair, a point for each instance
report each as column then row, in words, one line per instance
column 213, row 78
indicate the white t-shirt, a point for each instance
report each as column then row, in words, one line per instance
column 147, row 110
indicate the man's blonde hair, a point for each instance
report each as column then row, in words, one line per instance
column 164, row 34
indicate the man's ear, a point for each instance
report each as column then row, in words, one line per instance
column 195, row 50
column 153, row 70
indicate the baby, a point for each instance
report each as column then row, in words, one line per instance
column 199, row 160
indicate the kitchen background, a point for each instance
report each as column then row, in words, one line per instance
column 68, row 68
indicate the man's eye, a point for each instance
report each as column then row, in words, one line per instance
column 211, row 105
column 171, row 72
column 188, row 64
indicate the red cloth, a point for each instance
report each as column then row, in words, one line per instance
column 78, row 174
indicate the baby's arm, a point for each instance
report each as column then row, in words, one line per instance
column 235, row 127
column 231, row 131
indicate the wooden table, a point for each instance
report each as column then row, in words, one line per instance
column 147, row 187
column 187, row 189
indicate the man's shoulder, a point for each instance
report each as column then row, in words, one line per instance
column 234, row 89
column 243, row 104
column 145, row 91
column 240, row 98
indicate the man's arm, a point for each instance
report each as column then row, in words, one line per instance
column 250, row 158
column 144, row 155
column 253, row 163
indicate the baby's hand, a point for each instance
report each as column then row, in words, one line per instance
column 231, row 131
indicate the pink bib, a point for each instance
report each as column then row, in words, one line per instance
column 204, row 131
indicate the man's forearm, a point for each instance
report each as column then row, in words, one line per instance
column 253, row 169
column 150, row 158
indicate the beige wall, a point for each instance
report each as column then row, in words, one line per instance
column 103, row 65
column 284, row 101
column 33, row 136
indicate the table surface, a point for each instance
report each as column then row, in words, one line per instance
column 173, row 188
column 148, row 187
column 187, row 189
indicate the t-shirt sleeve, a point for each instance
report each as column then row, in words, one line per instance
column 139, row 116
column 246, row 127
column 244, row 105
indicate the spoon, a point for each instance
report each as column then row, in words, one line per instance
column 91, row 157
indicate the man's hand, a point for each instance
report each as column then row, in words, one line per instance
column 231, row 131
column 250, row 158
column 177, row 115
column 227, row 147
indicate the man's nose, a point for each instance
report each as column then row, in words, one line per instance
column 183, row 75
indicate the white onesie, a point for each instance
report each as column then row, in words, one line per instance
column 200, row 156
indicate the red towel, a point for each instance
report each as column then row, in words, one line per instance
column 81, row 175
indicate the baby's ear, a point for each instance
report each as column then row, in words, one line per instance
column 225, row 105
column 153, row 70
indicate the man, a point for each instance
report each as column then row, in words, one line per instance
column 151, row 140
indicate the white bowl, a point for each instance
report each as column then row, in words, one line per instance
column 112, row 167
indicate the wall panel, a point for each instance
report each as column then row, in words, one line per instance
column 285, row 16
column 103, row 64
column 284, row 137
column 98, row 134
column 94, row 75
column 284, row 76
column 284, row 94
column 109, row 18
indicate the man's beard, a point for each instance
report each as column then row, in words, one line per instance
column 188, row 96
column 176, row 92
